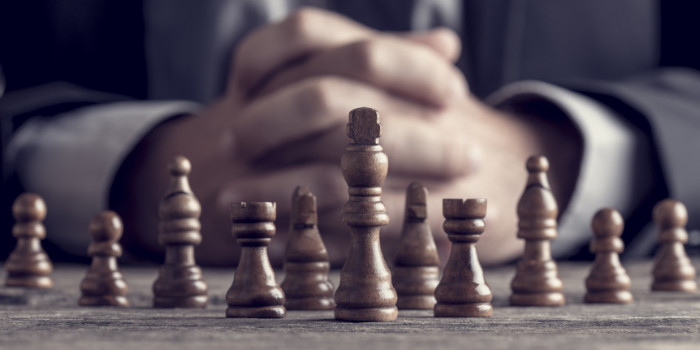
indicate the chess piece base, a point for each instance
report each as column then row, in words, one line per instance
column 256, row 312
column 105, row 300
column 464, row 310
column 380, row 314
column 675, row 286
column 312, row 303
column 539, row 299
column 609, row 297
column 198, row 301
column 29, row 282
column 416, row 302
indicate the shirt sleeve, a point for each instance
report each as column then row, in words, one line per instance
column 71, row 159
column 614, row 153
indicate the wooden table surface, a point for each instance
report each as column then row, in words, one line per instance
column 52, row 319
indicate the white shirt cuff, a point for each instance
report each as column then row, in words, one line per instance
column 613, row 152
column 71, row 159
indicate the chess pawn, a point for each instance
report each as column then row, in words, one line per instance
column 463, row 292
column 306, row 285
column 103, row 284
column 365, row 292
column 416, row 269
column 673, row 270
column 254, row 292
column 28, row 265
column 536, row 282
column 608, row 281
column 179, row 283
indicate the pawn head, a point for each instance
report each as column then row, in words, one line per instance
column 106, row 227
column 607, row 222
column 29, row 207
column 180, row 166
column 670, row 213
column 537, row 164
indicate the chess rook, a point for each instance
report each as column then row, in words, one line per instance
column 306, row 285
column 416, row 266
column 365, row 292
column 179, row 283
column 608, row 281
column 103, row 284
column 536, row 282
column 254, row 292
column 673, row 270
column 463, row 292
column 28, row 265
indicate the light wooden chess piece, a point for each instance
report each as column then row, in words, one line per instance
column 673, row 270
column 416, row 269
column 179, row 283
column 365, row 292
column 103, row 284
column 28, row 266
column 254, row 292
column 463, row 292
column 536, row 282
column 306, row 285
column 608, row 281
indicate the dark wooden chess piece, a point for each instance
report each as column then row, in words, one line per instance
column 306, row 285
column 416, row 269
column 179, row 283
column 103, row 284
column 365, row 292
column 608, row 281
column 254, row 292
column 28, row 265
column 463, row 292
column 536, row 282
column 673, row 270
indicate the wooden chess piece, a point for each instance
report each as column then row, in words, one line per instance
column 28, row 265
column 306, row 285
column 673, row 270
column 103, row 284
column 463, row 292
column 179, row 283
column 254, row 292
column 536, row 282
column 365, row 292
column 416, row 269
column 608, row 281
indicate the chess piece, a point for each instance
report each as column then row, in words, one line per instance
column 673, row 270
column 536, row 282
column 416, row 269
column 608, row 281
column 28, row 265
column 365, row 292
column 179, row 283
column 306, row 285
column 254, row 292
column 103, row 284
column 463, row 292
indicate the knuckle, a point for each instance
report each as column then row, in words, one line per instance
column 301, row 22
column 316, row 97
column 366, row 56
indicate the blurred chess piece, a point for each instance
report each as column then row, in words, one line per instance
column 416, row 269
column 536, row 281
column 673, row 270
column 254, row 292
column 306, row 285
column 179, row 283
column 608, row 281
column 28, row 265
column 463, row 292
column 103, row 284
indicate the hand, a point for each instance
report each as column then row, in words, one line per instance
column 281, row 124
